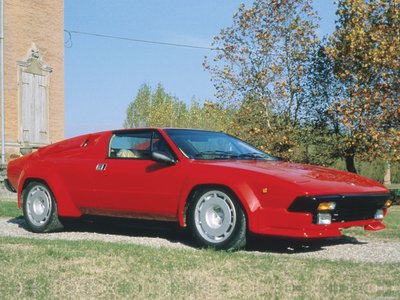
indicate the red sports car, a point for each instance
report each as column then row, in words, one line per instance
column 217, row 185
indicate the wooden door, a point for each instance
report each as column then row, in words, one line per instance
column 34, row 112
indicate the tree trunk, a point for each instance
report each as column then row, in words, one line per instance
column 350, row 166
column 387, row 180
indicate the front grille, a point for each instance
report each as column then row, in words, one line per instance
column 348, row 207
column 358, row 207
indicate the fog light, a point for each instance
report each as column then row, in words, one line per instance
column 388, row 203
column 379, row 214
column 326, row 206
column 324, row 219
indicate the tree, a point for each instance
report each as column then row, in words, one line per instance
column 159, row 109
column 138, row 110
column 319, row 135
column 365, row 50
column 321, row 88
column 262, row 55
column 261, row 58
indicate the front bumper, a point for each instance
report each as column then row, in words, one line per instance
column 320, row 231
column 300, row 219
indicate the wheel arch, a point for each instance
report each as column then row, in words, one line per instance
column 240, row 195
column 28, row 180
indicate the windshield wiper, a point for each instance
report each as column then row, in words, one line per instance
column 217, row 153
column 252, row 155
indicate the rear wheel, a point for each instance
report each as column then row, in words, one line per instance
column 217, row 220
column 40, row 208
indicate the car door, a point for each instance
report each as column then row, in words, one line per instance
column 129, row 182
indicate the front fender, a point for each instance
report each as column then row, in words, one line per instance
column 242, row 190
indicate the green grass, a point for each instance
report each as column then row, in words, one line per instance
column 86, row 269
column 55, row 269
column 9, row 209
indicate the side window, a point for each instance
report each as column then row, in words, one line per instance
column 130, row 145
column 137, row 145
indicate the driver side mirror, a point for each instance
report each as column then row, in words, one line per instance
column 162, row 158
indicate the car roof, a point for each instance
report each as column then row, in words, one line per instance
column 162, row 128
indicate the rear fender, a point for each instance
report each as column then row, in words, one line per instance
column 65, row 205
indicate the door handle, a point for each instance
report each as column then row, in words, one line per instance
column 101, row 167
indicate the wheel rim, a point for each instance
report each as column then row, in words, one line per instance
column 38, row 205
column 215, row 216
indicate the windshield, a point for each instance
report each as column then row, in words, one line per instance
column 197, row 144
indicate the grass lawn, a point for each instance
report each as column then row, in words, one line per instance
column 83, row 269
column 9, row 209
column 53, row 269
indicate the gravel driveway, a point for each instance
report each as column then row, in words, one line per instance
column 161, row 235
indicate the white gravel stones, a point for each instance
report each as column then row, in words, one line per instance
column 374, row 251
column 12, row 227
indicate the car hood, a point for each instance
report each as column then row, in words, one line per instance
column 310, row 179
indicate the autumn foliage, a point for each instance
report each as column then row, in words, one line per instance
column 365, row 49
column 296, row 91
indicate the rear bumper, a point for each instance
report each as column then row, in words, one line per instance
column 9, row 186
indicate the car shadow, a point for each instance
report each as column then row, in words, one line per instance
column 171, row 232
column 257, row 243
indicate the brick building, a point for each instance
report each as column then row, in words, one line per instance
column 33, row 74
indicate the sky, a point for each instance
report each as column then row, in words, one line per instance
column 102, row 76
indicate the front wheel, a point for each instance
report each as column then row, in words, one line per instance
column 40, row 208
column 217, row 220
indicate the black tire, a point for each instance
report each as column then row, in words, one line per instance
column 40, row 208
column 216, row 220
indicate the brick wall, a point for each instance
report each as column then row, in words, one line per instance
column 40, row 22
